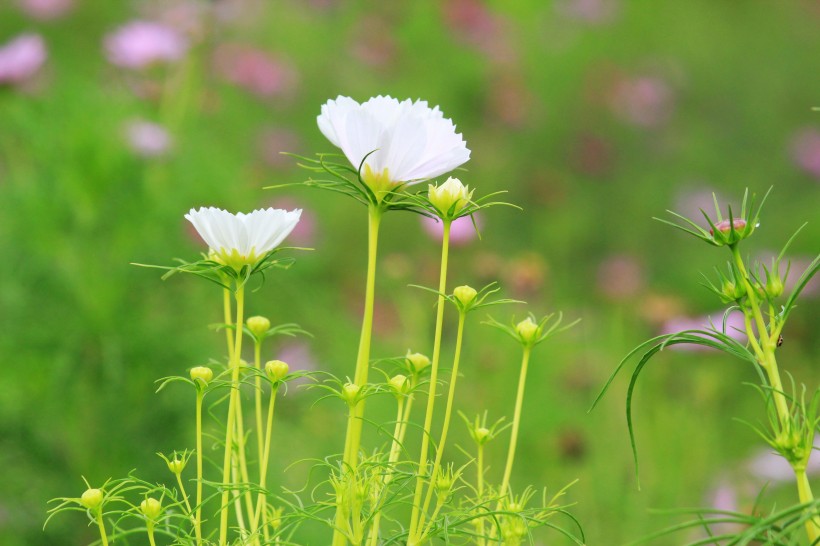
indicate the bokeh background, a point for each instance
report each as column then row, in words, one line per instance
column 595, row 116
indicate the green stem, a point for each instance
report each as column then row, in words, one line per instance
column 480, row 490
column 150, row 529
column 431, row 397
column 519, row 401
column 234, row 350
column 101, row 525
column 198, row 518
column 243, row 463
column 806, row 496
column 354, row 423
column 257, row 362
column 263, row 468
column 395, row 447
column 184, row 494
column 445, row 427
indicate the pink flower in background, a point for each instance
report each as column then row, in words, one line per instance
column 46, row 9
column 140, row 44
column 254, row 70
column 21, row 58
column 735, row 328
column 373, row 41
column 689, row 203
column 645, row 101
column 461, row 230
column 589, row 11
column 805, row 149
column 148, row 139
column 476, row 25
column 274, row 141
column 620, row 277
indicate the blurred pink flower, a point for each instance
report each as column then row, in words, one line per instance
column 189, row 17
column 724, row 497
column 46, row 9
column 690, row 202
column 140, row 44
column 298, row 355
column 646, row 101
column 461, row 230
column 373, row 41
column 805, row 149
column 589, row 11
column 273, row 141
column 735, row 328
column 474, row 23
column 620, row 277
column 254, row 70
column 148, row 139
column 21, row 58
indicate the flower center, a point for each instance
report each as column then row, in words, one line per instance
column 378, row 182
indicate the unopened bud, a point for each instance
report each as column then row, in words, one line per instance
column 176, row 466
column 450, row 197
column 350, row 393
column 276, row 370
column 202, row 374
column 92, row 498
column 774, row 285
column 417, row 362
column 733, row 291
column 400, row 384
column 465, row 294
column 482, row 435
column 527, row 330
column 258, row 325
column 151, row 508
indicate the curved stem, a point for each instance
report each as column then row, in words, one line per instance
column 235, row 350
column 101, row 525
column 445, row 427
column 519, row 401
column 184, row 494
column 431, row 397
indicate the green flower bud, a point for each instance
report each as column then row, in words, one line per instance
column 417, row 362
column 774, row 285
column 176, row 466
column 151, row 508
column 258, row 325
column 202, row 374
column 730, row 233
column 528, row 331
column 400, row 384
column 350, row 393
column 275, row 518
column 450, row 195
column 482, row 435
column 92, row 499
column 276, row 370
column 465, row 295
column 732, row 291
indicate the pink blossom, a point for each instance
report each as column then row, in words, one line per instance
column 374, row 42
column 620, row 277
column 140, row 44
column 46, row 9
column 735, row 328
column 461, row 230
column 274, row 141
column 21, row 58
column 805, row 149
column 148, row 139
column 645, row 101
column 589, row 11
column 254, row 70
column 476, row 25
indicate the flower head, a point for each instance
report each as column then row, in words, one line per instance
column 242, row 239
column 140, row 44
column 393, row 142
column 21, row 58
column 450, row 197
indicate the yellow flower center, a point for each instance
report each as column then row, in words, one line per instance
column 379, row 183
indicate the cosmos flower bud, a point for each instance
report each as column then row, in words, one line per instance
column 729, row 233
column 465, row 295
column 450, row 197
column 151, row 508
column 482, row 435
column 176, row 465
column 732, row 291
column 350, row 393
column 202, row 374
column 399, row 384
column 774, row 285
column 258, row 325
column 528, row 331
column 417, row 362
column 92, row 499
column 276, row 370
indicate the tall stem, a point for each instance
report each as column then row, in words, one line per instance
column 353, row 435
column 519, row 402
column 445, row 427
column 431, row 397
column 257, row 362
column 480, row 541
column 235, row 350
column 805, row 494
column 151, row 540
column 395, row 447
column 261, row 507
column 198, row 517
column 101, row 525
column 243, row 464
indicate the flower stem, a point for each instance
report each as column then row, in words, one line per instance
column 263, row 467
column 184, row 494
column 243, row 463
column 257, row 362
column 480, row 541
column 445, row 427
column 395, row 448
column 198, row 517
column 353, row 435
column 235, row 350
column 519, row 401
column 150, row 529
column 806, row 496
column 101, row 525
column 431, row 397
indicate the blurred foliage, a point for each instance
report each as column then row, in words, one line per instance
column 595, row 116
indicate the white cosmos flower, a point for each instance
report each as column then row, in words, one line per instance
column 410, row 142
column 242, row 239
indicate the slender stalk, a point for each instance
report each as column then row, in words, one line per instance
column 431, row 397
column 184, row 494
column 242, row 461
column 198, row 517
column 263, row 467
column 101, row 525
column 235, row 350
column 805, row 494
column 150, row 529
column 519, row 401
column 257, row 362
column 480, row 540
column 395, row 446
column 354, row 422
column 445, row 427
